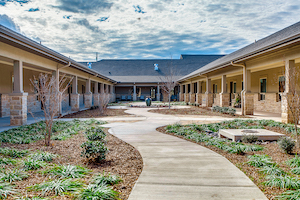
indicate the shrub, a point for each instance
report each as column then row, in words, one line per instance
column 58, row 187
column 13, row 175
column 6, row 190
column 106, row 179
column 96, row 134
column 68, row 171
column 249, row 138
column 94, row 150
column 286, row 144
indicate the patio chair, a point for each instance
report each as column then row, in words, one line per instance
column 129, row 98
column 123, row 98
column 142, row 98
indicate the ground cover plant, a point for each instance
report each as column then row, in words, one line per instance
column 271, row 168
column 35, row 171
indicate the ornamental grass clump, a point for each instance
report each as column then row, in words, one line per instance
column 286, row 144
column 283, row 182
column 98, row 192
column 13, row 175
column 290, row 195
column 42, row 156
column 6, row 190
column 67, row 171
column 106, row 179
column 14, row 153
column 272, row 170
column 7, row 161
column 249, row 138
column 58, row 187
column 260, row 160
column 294, row 162
column 30, row 164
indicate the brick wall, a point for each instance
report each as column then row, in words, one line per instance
column 270, row 104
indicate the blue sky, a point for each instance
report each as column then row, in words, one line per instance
column 141, row 29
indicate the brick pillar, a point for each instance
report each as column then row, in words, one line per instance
column 18, row 109
column 249, row 104
column 286, row 114
column 75, row 102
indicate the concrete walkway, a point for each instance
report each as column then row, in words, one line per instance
column 178, row 169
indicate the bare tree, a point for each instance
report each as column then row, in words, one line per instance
column 50, row 95
column 103, row 101
column 169, row 81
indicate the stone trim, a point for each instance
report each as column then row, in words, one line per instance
column 18, row 109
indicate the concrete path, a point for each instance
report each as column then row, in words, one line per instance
column 178, row 169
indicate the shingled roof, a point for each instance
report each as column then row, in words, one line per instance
column 283, row 36
column 142, row 71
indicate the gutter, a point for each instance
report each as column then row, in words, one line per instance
column 23, row 41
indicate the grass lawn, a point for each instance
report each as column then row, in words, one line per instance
column 270, row 168
column 30, row 169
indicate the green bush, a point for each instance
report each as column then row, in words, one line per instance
column 98, row 192
column 96, row 134
column 106, row 179
column 286, row 144
column 94, row 150
column 30, row 164
column 260, row 160
column 67, row 171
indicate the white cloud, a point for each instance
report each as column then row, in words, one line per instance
column 165, row 28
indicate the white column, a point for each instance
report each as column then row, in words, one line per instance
column 223, row 89
column 134, row 93
column 96, row 88
column 102, row 88
column 199, row 87
column 88, row 86
column 158, row 93
column 18, row 77
column 75, row 85
column 208, row 85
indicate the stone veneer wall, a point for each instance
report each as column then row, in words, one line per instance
column 65, row 101
column 270, row 104
column 4, row 105
column 33, row 104
column 216, row 100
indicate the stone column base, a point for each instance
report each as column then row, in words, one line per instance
column 192, row 98
column 88, row 100
column 181, row 97
column 208, row 100
column 186, row 97
column 286, row 114
column 75, row 102
column 18, row 109
column 199, row 98
column 248, row 104
column 96, row 99
column 224, row 99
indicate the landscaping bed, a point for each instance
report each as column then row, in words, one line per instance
column 122, row 160
column 96, row 113
column 193, row 111
column 266, row 175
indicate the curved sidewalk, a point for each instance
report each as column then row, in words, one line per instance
column 178, row 169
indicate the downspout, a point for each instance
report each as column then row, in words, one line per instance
column 243, row 91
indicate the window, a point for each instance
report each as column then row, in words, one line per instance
column 234, row 87
column 242, row 85
column 215, row 88
column 189, row 88
column 195, row 87
column 183, row 88
column 263, row 85
column 281, row 82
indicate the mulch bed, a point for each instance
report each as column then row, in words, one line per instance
column 193, row 111
column 96, row 113
column 253, row 173
column 122, row 160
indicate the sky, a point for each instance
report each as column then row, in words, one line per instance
column 146, row 29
